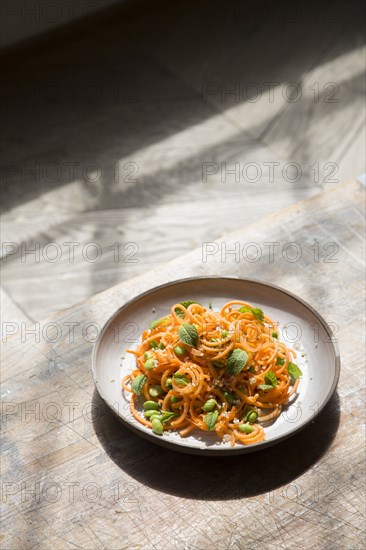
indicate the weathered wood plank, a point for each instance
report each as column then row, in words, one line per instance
column 247, row 70
column 126, row 493
column 315, row 131
column 11, row 312
column 148, row 219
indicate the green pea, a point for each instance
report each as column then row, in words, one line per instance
column 224, row 334
column 252, row 417
column 149, row 413
column 245, row 428
column 178, row 350
column 157, row 426
column 154, row 344
column 174, row 399
column 219, row 364
column 156, row 390
column 150, row 364
column 209, row 405
column 229, row 397
column 161, row 346
column 247, row 413
column 156, row 415
column 147, row 355
column 151, row 405
column 168, row 382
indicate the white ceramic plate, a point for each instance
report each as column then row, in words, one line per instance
column 301, row 328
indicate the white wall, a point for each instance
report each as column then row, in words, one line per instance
column 20, row 19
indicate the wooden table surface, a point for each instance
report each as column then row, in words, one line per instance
column 74, row 477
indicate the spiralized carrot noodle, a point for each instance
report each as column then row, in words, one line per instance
column 222, row 371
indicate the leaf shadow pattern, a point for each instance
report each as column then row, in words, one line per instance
column 215, row 478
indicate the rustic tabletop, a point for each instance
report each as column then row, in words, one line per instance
column 74, row 477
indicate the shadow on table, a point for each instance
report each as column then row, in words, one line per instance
column 215, row 478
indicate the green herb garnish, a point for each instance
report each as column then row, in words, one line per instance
column 157, row 322
column 168, row 416
column 181, row 379
column 185, row 304
column 211, row 419
column 138, row 384
column 294, row 371
column 188, row 334
column 256, row 311
column 237, row 359
column 270, row 381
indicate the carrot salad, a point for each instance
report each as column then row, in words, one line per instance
column 223, row 371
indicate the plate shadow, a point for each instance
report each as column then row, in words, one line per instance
column 215, row 478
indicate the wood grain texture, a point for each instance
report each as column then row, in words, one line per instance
column 74, row 477
column 149, row 220
column 332, row 95
column 11, row 312
column 234, row 60
column 95, row 95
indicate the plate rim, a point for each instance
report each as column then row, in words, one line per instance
column 242, row 449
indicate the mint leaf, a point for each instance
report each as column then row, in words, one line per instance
column 237, row 359
column 138, row 384
column 189, row 303
column 180, row 312
column 157, row 322
column 210, row 305
column 188, row 334
column 168, row 416
column 280, row 361
column 245, row 309
column 294, row 370
column 265, row 387
column 181, row 379
column 256, row 311
column 211, row 419
column 271, row 379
